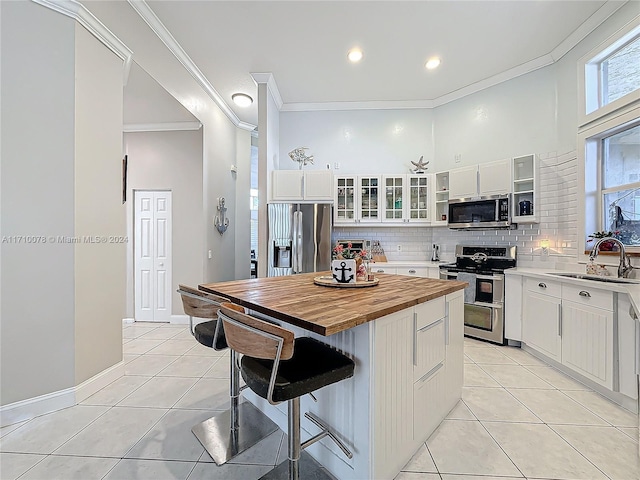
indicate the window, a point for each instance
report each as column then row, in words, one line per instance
column 609, row 138
column 620, row 184
column 610, row 77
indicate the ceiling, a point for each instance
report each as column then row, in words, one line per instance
column 305, row 44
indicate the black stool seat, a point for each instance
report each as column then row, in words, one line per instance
column 313, row 366
column 205, row 333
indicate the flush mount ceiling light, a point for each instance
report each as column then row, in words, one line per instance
column 242, row 99
column 432, row 63
column 355, row 55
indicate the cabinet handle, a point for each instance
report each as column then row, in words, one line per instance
column 431, row 373
column 379, row 271
column 415, row 339
column 559, row 319
column 584, row 293
column 412, row 271
column 542, row 285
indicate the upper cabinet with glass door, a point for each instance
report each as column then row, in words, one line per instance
column 406, row 199
column 357, row 199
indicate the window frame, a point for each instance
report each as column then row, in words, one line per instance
column 590, row 150
column 589, row 74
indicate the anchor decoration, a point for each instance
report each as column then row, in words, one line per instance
column 221, row 222
column 340, row 269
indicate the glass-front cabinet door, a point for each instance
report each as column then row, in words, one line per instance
column 418, row 201
column 345, row 200
column 393, row 205
column 369, row 191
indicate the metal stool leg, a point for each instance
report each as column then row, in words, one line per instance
column 233, row 431
column 299, row 465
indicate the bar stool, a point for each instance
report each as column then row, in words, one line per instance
column 241, row 426
column 279, row 368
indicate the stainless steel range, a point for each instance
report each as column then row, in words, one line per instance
column 483, row 268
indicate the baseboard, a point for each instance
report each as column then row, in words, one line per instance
column 128, row 320
column 51, row 402
column 33, row 407
column 99, row 381
column 180, row 319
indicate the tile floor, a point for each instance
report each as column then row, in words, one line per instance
column 519, row 418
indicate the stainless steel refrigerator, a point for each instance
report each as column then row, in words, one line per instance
column 299, row 238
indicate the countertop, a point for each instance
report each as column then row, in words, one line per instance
column 631, row 289
column 295, row 299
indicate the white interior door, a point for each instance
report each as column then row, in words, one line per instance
column 152, row 256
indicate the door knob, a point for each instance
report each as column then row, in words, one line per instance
column 161, row 264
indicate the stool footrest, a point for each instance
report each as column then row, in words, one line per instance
column 223, row 443
column 326, row 432
column 308, row 467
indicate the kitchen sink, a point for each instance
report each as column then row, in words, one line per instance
column 596, row 278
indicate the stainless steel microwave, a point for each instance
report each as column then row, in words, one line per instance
column 480, row 212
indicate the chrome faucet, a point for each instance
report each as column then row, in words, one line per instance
column 625, row 266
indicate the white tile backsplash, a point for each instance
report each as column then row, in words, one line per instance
column 557, row 209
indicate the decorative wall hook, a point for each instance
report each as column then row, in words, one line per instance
column 221, row 222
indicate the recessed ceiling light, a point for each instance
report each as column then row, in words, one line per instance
column 242, row 99
column 355, row 55
column 432, row 63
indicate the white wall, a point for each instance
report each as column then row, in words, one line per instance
column 99, row 268
column 61, row 171
column 36, row 334
column 361, row 141
column 169, row 161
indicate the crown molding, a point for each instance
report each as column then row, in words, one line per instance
column 579, row 34
column 160, row 127
column 151, row 19
column 84, row 17
column 270, row 80
column 593, row 22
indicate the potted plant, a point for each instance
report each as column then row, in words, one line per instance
column 604, row 246
column 342, row 253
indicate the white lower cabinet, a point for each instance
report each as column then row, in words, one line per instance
column 541, row 323
column 378, row 269
column 587, row 336
column 418, row 377
column 572, row 325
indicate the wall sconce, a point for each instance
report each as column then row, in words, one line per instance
column 220, row 221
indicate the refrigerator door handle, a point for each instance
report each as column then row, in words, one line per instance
column 299, row 250
column 294, row 243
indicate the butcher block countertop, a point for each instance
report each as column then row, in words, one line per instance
column 297, row 300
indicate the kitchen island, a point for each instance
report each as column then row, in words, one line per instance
column 406, row 338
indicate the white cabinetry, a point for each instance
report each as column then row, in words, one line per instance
column 587, row 333
column 441, row 199
column 493, row 178
column 525, row 189
column 572, row 325
column 357, row 199
column 298, row 185
column 405, row 199
column 541, row 317
column 417, row 377
column 463, row 182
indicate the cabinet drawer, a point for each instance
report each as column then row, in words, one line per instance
column 429, row 402
column 378, row 269
column 542, row 285
column 588, row 296
column 429, row 348
column 427, row 313
column 413, row 271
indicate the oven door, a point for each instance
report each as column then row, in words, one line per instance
column 484, row 321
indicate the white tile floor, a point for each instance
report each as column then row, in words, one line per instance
column 519, row 418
